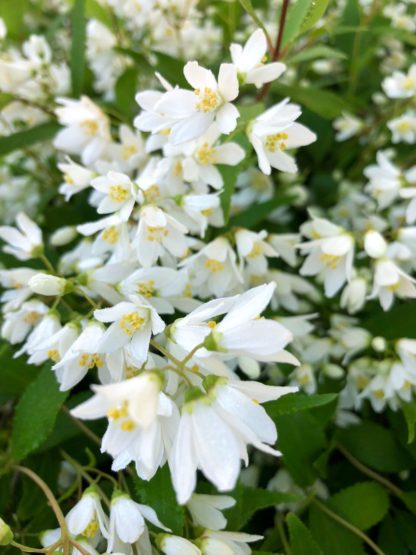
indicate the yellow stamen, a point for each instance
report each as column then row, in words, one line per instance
column 130, row 323
column 118, row 193
column 214, row 265
column 206, row 154
column 146, row 288
column 208, row 99
column 111, row 235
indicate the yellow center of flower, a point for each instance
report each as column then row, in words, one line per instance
column 212, row 324
column 155, row 233
column 207, row 212
column 90, row 127
column 177, row 170
column 68, row 179
column 90, row 361
column 32, row 317
column 111, row 235
column 128, row 151
column 208, row 99
column 91, row 529
column 361, row 382
column 404, row 126
column 255, row 251
column 206, row 154
column 53, row 354
column 276, row 141
column 165, row 132
column 118, row 193
column 115, row 413
column 331, row 261
column 128, row 426
column 130, row 323
column 409, row 83
column 187, row 292
column 378, row 394
column 152, row 193
column 214, row 265
column 146, row 288
column 303, row 379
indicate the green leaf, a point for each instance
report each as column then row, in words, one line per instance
column 376, row 447
column 389, row 540
column 249, row 8
column 409, row 411
column 13, row 12
column 125, row 89
column 322, row 102
column 302, row 15
column 364, row 504
column 15, row 374
column 229, row 175
column 78, row 20
column 318, row 51
column 295, row 402
column 171, row 69
column 36, row 413
column 301, row 539
column 22, row 139
column 94, row 10
column 302, row 441
column 256, row 214
column 332, row 538
column 398, row 322
column 160, row 495
column 249, row 500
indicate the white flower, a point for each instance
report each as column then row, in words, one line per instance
column 390, row 280
column 157, row 233
column 55, row 345
column 158, row 285
column 3, row 29
column 374, row 244
column 22, row 243
column 76, row 178
column 119, row 194
column 213, row 270
column 330, row 253
column 46, row 284
column 249, row 61
column 174, row 545
column 17, row 325
column 253, row 250
column 214, row 432
column 126, row 404
column 241, row 333
column 47, row 326
column 403, row 128
column 275, row 131
column 16, row 280
column 385, row 180
column 127, row 521
column 227, row 543
column 347, row 126
column 87, row 517
column 354, row 295
column 87, row 129
column 202, row 156
column 401, row 85
column 192, row 112
column 81, row 356
column 206, row 510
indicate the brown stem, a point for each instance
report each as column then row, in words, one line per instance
column 277, row 48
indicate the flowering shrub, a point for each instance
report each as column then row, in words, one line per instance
column 208, row 234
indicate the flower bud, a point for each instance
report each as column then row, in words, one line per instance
column 63, row 236
column 379, row 344
column 175, row 545
column 6, row 534
column 45, row 284
column 374, row 244
column 353, row 296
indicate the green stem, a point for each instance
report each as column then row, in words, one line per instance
column 49, row 495
column 47, row 263
column 89, row 433
column 370, row 473
column 282, row 534
column 348, row 526
column 27, row 549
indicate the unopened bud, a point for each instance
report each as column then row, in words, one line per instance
column 374, row 244
column 6, row 534
column 45, row 284
column 63, row 236
column 379, row 344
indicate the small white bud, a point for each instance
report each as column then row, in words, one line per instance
column 45, row 284
column 175, row 545
column 333, row 371
column 6, row 534
column 379, row 344
column 3, row 29
column 353, row 296
column 374, row 244
column 63, row 236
